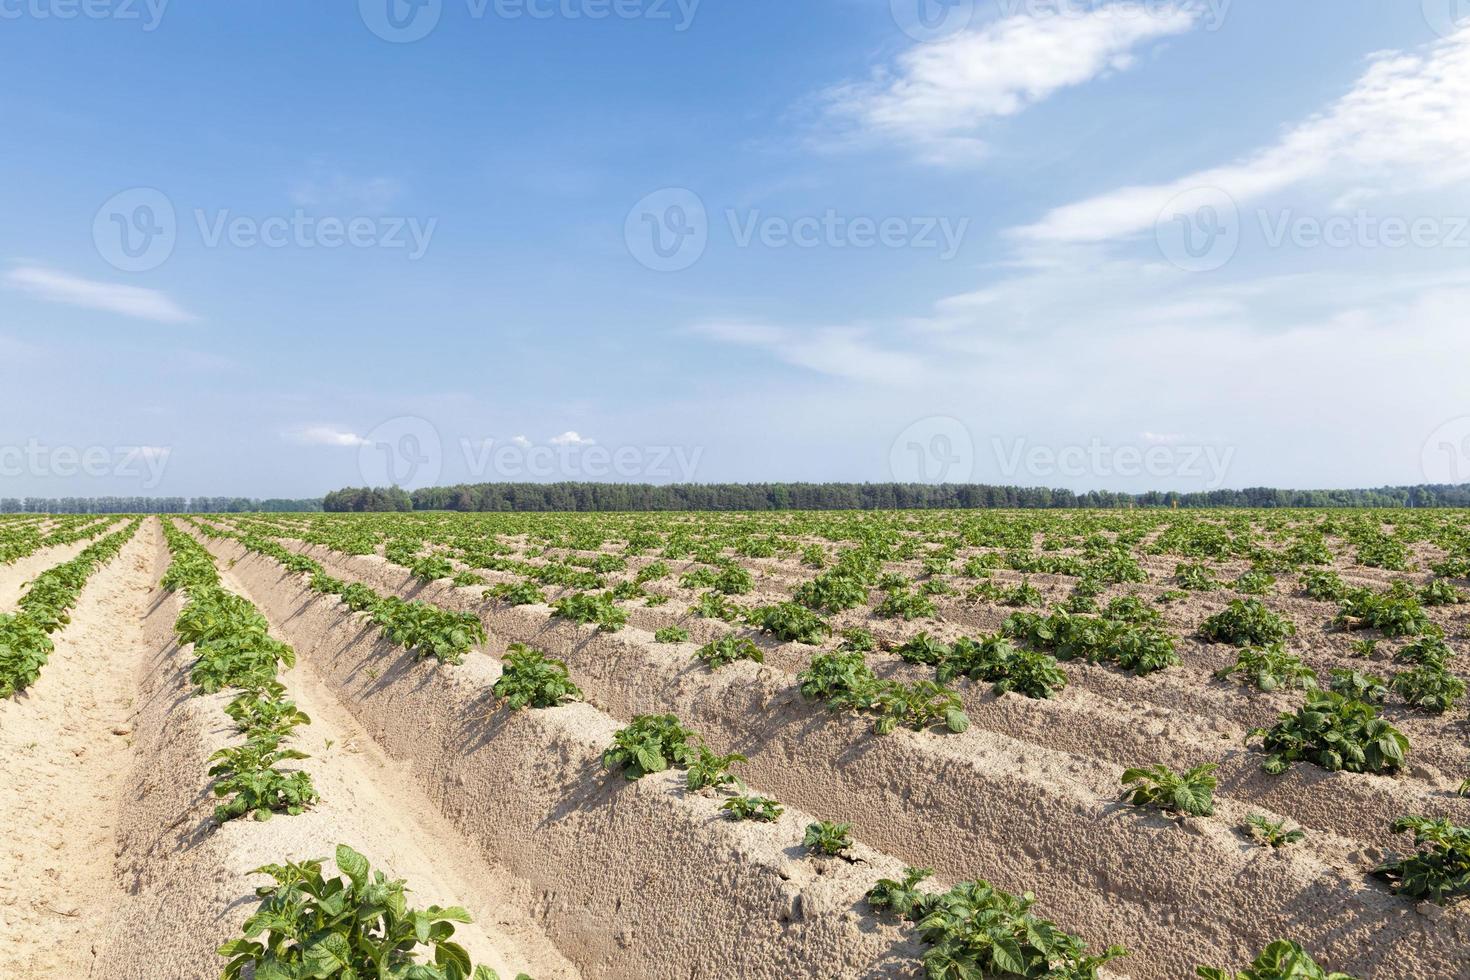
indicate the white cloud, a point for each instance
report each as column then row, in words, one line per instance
column 844, row 352
column 939, row 95
column 131, row 301
column 521, row 441
column 340, row 191
column 328, row 435
column 1404, row 126
column 571, row 439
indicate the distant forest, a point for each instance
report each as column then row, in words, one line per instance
column 852, row 496
column 152, row 505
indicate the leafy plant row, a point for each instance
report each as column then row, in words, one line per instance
column 234, row 650
column 25, row 636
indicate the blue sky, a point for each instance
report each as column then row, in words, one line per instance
column 1050, row 242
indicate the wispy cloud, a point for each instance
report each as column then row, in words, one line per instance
column 938, row 97
column 333, row 189
column 327, row 435
column 131, row 301
column 844, row 352
column 1404, row 126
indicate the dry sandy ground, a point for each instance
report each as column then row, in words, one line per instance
column 67, row 748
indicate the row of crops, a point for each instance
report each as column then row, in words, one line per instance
column 908, row 571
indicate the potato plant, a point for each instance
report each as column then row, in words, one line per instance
column 1270, row 668
column 650, row 744
column 355, row 925
column 1191, row 792
column 826, row 837
column 1247, row 622
column 1439, row 868
column 531, row 679
column 728, row 649
column 1282, row 960
column 1335, row 732
column 760, row 809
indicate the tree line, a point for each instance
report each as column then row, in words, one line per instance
column 153, row 505
column 592, row 497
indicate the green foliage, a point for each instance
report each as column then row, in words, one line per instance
column 248, row 775
column 1191, row 792
column 1441, row 593
column 728, row 649
column 1439, row 868
column 905, row 604
column 1363, row 687
column 1255, row 583
column 791, row 622
column 429, row 631
column 846, row 683
column 832, row 592
column 587, row 607
column 650, row 744
column 1270, row 668
column 1271, row 834
column 1335, row 732
column 357, row 925
column 1195, row 576
column 671, row 634
column 977, row 931
column 826, row 837
column 758, row 808
column 1396, row 612
column 1141, row 649
column 1324, row 585
column 1282, row 960
column 713, row 605
column 1429, row 688
column 709, row 770
column 519, row 593
column 1247, row 622
column 902, row 897
column 531, row 679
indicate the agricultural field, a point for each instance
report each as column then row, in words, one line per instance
column 962, row 744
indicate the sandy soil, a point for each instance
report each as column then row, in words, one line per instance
column 1046, row 799
column 189, row 883
column 68, row 748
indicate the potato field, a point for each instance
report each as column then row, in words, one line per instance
column 945, row 744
